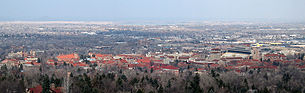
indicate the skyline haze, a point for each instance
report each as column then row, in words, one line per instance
column 161, row 10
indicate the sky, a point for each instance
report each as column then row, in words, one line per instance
column 116, row 10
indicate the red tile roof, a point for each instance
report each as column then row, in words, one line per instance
column 214, row 65
column 145, row 60
column 271, row 67
column 156, row 67
column 123, row 61
column 214, row 52
column 182, row 64
column 170, row 67
column 274, row 55
column 185, row 58
column 37, row 89
column 233, row 58
column 298, row 60
column 68, row 56
column 51, row 60
column 138, row 65
column 199, row 59
column 302, row 67
column 103, row 55
column 215, row 49
column 57, row 90
column 201, row 69
column 80, row 64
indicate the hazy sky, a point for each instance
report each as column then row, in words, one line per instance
column 99, row 10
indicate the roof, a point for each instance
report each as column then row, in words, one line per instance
column 32, row 63
column 271, row 67
column 214, row 52
column 57, row 90
column 302, row 67
column 245, row 63
column 182, row 64
column 68, row 56
column 156, row 67
column 233, row 58
column 103, row 55
column 297, row 60
column 138, row 65
column 201, row 69
column 170, row 67
column 80, row 64
column 144, row 60
column 216, row 49
column 108, row 62
column 214, row 65
column 51, row 60
column 123, row 61
column 37, row 89
column 274, row 55
column 170, row 56
column 185, row 57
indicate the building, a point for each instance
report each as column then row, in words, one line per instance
column 69, row 57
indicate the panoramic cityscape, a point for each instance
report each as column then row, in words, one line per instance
column 175, row 47
column 225, row 54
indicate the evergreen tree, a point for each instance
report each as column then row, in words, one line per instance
column 195, row 84
column 119, row 82
column 140, row 91
column 160, row 90
column 213, row 73
column 134, row 81
column 46, row 84
column 151, row 70
column 124, row 77
column 21, row 67
column 211, row 90
column 38, row 60
column 286, row 77
column 71, row 75
column 246, row 83
column 169, row 84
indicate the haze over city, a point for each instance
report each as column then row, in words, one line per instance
column 151, row 10
column 152, row 46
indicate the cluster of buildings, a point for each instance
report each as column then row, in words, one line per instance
column 203, row 46
column 21, row 58
column 238, row 58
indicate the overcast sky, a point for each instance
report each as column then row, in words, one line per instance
column 99, row 10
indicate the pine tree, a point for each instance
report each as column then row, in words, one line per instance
column 21, row 67
column 46, row 84
column 140, row 91
column 38, row 60
column 160, row 90
column 124, row 77
column 195, row 84
column 71, row 75
column 169, row 84
column 151, row 70
column 119, row 82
